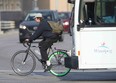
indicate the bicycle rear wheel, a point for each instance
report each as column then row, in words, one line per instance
column 57, row 60
column 21, row 64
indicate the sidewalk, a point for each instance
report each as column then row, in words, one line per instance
column 12, row 31
column 1, row 32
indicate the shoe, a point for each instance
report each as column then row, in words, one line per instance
column 48, row 68
column 43, row 64
column 42, row 61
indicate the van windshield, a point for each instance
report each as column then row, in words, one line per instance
column 106, row 11
column 94, row 12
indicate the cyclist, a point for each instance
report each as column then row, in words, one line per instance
column 49, row 38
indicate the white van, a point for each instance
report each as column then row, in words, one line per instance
column 93, row 32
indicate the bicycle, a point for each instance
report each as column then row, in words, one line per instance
column 23, row 62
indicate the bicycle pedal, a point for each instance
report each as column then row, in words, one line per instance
column 48, row 68
column 43, row 65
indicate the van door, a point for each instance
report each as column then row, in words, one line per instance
column 95, row 41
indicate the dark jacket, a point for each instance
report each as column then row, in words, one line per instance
column 43, row 30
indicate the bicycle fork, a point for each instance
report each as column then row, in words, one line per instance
column 58, row 59
column 27, row 52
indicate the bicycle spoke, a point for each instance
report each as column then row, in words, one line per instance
column 22, row 64
column 57, row 60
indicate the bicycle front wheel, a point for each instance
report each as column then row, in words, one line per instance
column 57, row 60
column 22, row 63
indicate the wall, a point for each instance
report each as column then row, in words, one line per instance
column 44, row 4
column 60, row 5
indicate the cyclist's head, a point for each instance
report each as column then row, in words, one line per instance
column 38, row 17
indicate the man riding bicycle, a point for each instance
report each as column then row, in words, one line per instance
column 49, row 38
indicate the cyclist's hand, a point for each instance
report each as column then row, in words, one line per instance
column 26, row 41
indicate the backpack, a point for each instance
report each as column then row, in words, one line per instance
column 57, row 27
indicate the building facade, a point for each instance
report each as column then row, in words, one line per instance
column 15, row 10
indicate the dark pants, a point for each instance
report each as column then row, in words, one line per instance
column 44, row 45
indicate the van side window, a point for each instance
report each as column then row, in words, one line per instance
column 87, row 13
column 106, row 12
column 90, row 13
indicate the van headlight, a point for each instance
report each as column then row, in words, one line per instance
column 22, row 27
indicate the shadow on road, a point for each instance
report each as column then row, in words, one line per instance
column 83, row 76
column 90, row 76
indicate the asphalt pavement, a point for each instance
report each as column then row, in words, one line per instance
column 75, row 76
column 46, row 77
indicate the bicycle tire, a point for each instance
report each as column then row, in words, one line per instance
column 23, row 68
column 58, row 69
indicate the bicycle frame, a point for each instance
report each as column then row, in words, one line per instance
column 29, row 50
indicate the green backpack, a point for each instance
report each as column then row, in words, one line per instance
column 57, row 27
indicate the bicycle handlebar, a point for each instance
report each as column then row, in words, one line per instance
column 26, row 44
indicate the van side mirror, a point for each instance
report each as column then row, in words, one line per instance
column 71, row 1
column 81, row 25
